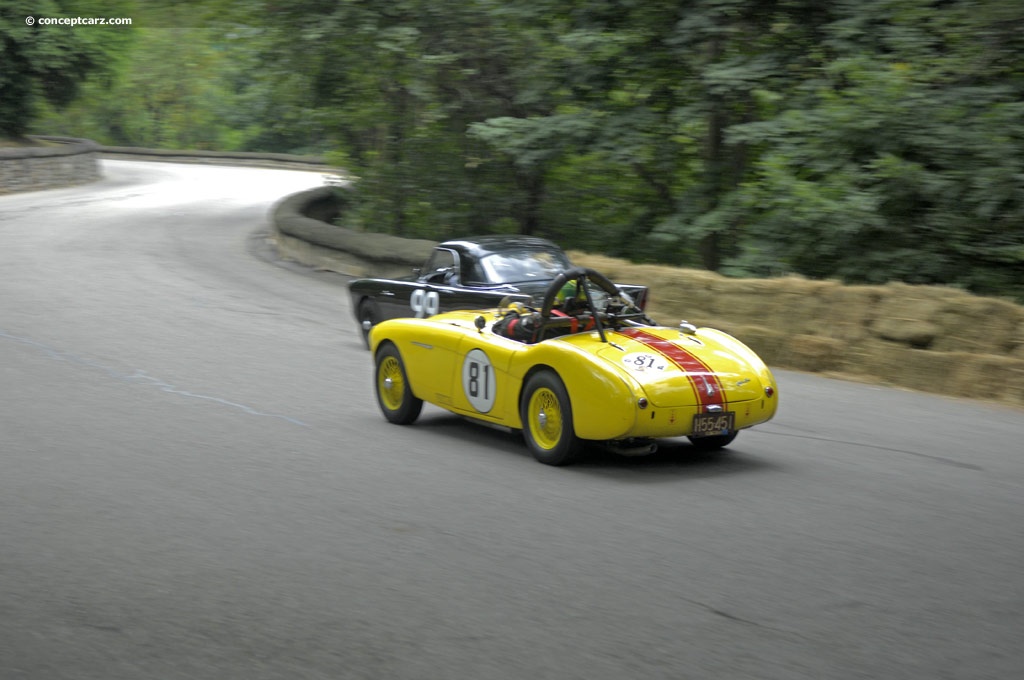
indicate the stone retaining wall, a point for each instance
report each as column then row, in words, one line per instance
column 304, row 233
column 64, row 161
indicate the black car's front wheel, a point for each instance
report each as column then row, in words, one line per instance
column 394, row 395
column 367, row 318
column 547, row 420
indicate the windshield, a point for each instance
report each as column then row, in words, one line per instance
column 517, row 266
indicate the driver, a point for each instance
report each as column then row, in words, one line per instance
column 571, row 299
column 522, row 323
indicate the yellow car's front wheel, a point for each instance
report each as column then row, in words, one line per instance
column 394, row 396
column 547, row 420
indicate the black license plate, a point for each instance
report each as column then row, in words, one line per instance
column 713, row 423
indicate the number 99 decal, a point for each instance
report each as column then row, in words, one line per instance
column 425, row 302
column 478, row 381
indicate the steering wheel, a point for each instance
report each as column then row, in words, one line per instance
column 580, row 275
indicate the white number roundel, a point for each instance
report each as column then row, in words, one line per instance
column 478, row 381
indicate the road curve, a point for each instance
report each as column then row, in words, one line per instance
column 195, row 482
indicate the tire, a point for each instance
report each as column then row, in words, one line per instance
column 367, row 320
column 708, row 444
column 394, row 396
column 547, row 420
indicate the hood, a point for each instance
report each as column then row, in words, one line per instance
column 678, row 369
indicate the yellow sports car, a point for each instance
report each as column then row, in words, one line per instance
column 587, row 364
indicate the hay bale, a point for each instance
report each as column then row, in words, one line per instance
column 769, row 344
column 780, row 303
column 904, row 366
column 987, row 376
column 847, row 312
column 975, row 324
column 813, row 353
column 907, row 331
column 904, row 315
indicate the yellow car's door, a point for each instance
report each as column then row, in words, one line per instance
column 481, row 384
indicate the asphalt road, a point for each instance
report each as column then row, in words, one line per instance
column 195, row 482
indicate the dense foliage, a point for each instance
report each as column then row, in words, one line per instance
column 40, row 64
column 863, row 139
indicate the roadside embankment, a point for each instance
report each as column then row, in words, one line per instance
column 929, row 338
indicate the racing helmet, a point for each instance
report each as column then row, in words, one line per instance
column 568, row 292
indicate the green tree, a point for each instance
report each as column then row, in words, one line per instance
column 50, row 63
column 188, row 81
column 397, row 84
column 903, row 161
column 650, row 91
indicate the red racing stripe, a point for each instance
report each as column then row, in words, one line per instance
column 706, row 384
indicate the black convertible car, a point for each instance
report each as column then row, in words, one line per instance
column 470, row 273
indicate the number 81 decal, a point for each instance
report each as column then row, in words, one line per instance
column 425, row 302
column 642, row 361
column 478, row 381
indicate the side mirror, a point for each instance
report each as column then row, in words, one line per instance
column 480, row 322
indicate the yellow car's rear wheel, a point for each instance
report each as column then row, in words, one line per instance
column 547, row 420
column 394, row 396
column 712, row 443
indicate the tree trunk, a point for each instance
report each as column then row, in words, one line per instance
column 532, row 184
